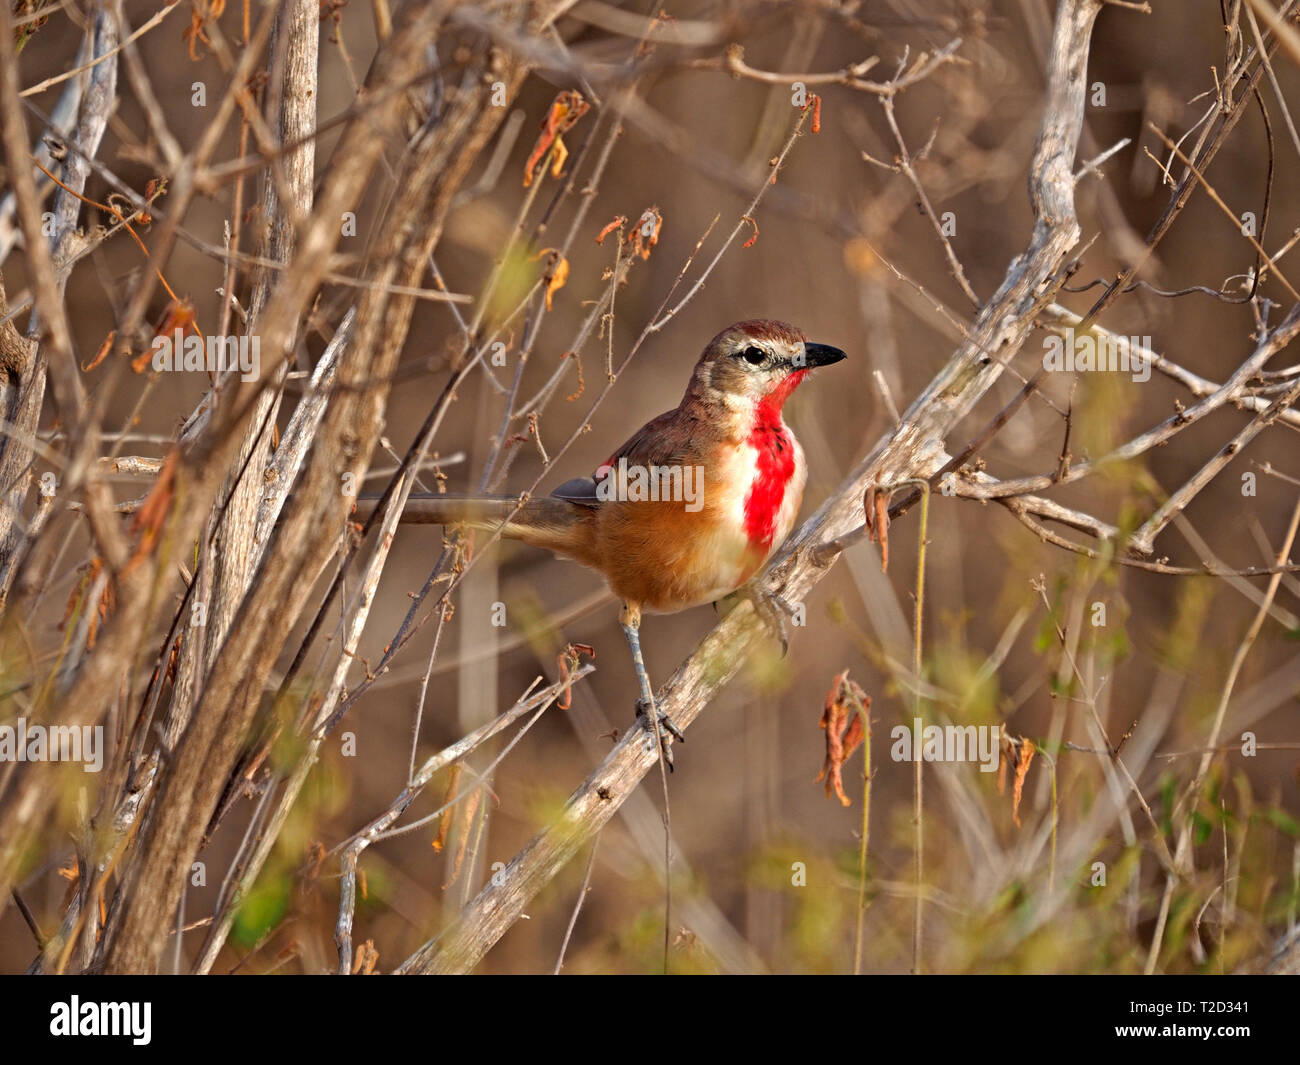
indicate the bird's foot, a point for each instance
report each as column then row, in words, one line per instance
column 772, row 610
column 667, row 732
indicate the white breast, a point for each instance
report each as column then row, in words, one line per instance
column 727, row 540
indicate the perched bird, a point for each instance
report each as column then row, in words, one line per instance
column 693, row 505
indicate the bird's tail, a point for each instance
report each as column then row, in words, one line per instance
column 546, row 522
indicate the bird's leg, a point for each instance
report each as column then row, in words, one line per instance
column 771, row 608
column 630, row 619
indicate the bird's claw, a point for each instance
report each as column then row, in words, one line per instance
column 772, row 609
column 667, row 732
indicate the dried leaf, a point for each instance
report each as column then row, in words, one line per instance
column 619, row 222
column 875, row 513
column 557, row 279
column 367, row 957
column 557, row 272
column 843, row 725
column 646, row 234
column 568, row 661
column 96, row 612
column 469, row 809
column 563, row 115
column 444, row 822
column 103, row 351
column 179, row 314
column 152, row 514
column 1022, row 769
column 199, row 15
column 582, row 386
column 558, row 157
column 816, row 102
column 173, row 661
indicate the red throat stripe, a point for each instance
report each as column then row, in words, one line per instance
column 774, row 463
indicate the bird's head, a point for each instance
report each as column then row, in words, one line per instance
column 760, row 361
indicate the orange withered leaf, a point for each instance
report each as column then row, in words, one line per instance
column 646, row 234
column 875, row 513
column 1026, row 756
column 582, row 387
column 568, row 661
column 558, row 157
column 103, row 351
column 173, row 661
column 97, row 612
column 619, row 220
column 557, row 272
column 563, row 115
column 194, row 34
column 444, row 822
column 559, row 275
column 178, row 314
column 844, row 731
column 152, row 514
column 367, row 957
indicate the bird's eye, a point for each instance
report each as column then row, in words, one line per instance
column 753, row 355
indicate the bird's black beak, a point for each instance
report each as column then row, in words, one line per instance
column 821, row 354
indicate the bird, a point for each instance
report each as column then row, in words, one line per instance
column 691, row 507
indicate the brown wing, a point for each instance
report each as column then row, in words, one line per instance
column 668, row 440
column 663, row 441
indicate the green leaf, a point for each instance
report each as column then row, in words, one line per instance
column 264, row 908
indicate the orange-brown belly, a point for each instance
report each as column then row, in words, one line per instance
column 668, row 558
column 670, row 555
